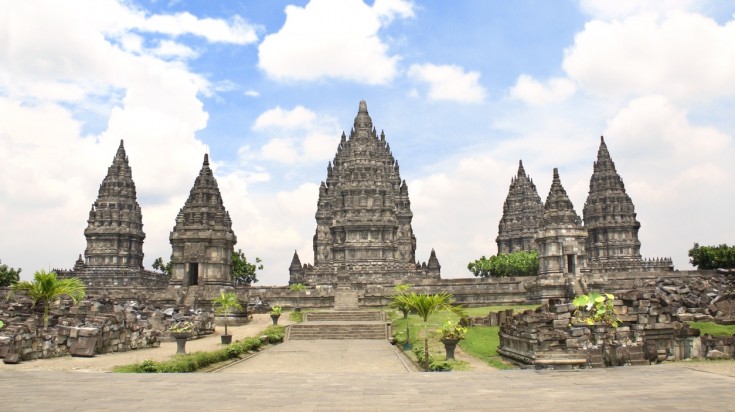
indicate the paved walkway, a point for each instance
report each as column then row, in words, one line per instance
column 297, row 356
column 616, row 389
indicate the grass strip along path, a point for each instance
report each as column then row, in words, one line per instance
column 195, row 361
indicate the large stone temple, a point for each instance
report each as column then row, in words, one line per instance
column 606, row 242
column 363, row 233
column 114, row 233
column 202, row 240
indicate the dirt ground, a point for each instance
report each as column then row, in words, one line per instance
column 105, row 363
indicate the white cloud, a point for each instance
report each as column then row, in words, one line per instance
column 298, row 135
column 252, row 93
column 535, row 93
column 617, row 9
column 332, row 39
column 682, row 56
column 449, row 82
column 297, row 118
column 93, row 57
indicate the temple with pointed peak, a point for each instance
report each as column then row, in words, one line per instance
column 202, row 240
column 114, row 253
column 610, row 228
column 363, row 217
column 522, row 212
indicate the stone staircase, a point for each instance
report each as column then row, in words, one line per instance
column 191, row 296
column 345, row 299
column 341, row 325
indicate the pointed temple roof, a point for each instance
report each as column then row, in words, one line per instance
column 204, row 209
column 115, row 226
column 558, row 209
column 522, row 213
column 295, row 261
column 609, row 215
column 364, row 212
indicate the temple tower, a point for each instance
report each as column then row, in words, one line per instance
column 610, row 219
column 115, row 226
column 202, row 240
column 363, row 217
column 561, row 237
column 522, row 213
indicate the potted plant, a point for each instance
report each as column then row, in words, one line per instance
column 224, row 305
column 275, row 314
column 181, row 331
column 451, row 334
column 298, row 288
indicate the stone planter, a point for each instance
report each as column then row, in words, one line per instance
column 449, row 346
column 181, row 338
column 226, row 339
column 275, row 319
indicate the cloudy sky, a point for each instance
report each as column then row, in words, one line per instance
column 463, row 90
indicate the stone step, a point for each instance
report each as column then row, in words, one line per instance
column 336, row 330
column 344, row 316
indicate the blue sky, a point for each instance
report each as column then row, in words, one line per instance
column 463, row 90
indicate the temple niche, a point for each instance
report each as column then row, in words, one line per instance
column 202, row 240
column 363, row 217
column 522, row 212
column 114, row 233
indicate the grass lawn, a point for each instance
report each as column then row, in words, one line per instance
column 480, row 342
column 713, row 329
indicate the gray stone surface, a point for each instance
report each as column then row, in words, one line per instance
column 522, row 213
column 672, row 388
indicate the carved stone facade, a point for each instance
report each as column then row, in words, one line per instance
column 363, row 217
column 202, row 240
column 561, row 238
column 522, row 212
column 114, row 233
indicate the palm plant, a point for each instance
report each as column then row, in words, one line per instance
column 426, row 305
column 398, row 301
column 225, row 304
column 298, row 288
column 46, row 287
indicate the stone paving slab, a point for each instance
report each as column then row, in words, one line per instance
column 348, row 355
column 613, row 389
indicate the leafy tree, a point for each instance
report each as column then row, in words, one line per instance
column 166, row 268
column 243, row 272
column 225, row 304
column 46, row 287
column 506, row 264
column 712, row 257
column 8, row 275
column 426, row 305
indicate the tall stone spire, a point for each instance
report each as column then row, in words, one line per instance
column 364, row 214
column 610, row 219
column 561, row 237
column 202, row 239
column 522, row 212
column 115, row 226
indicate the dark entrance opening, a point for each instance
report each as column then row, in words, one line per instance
column 571, row 263
column 193, row 274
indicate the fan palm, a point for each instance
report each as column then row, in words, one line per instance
column 46, row 287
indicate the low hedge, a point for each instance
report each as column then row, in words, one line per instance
column 192, row 362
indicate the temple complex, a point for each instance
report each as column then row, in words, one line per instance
column 114, row 233
column 522, row 212
column 363, row 233
column 202, row 240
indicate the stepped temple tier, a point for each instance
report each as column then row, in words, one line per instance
column 363, row 233
column 114, row 233
column 202, row 240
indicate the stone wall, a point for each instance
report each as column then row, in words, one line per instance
column 88, row 328
column 650, row 332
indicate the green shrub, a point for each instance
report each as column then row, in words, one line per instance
column 506, row 264
column 440, row 366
